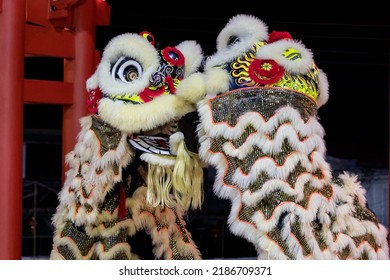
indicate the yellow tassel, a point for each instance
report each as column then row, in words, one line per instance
column 182, row 185
column 188, row 178
column 160, row 184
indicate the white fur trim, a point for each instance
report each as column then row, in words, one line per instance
column 275, row 52
column 134, row 118
column 92, row 82
column 136, row 47
column 323, row 85
column 174, row 141
column 193, row 88
column 312, row 126
column 249, row 30
column 158, row 160
column 193, row 54
column 217, row 81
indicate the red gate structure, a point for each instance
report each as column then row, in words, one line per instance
column 52, row 28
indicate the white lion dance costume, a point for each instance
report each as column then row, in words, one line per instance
column 259, row 129
column 130, row 170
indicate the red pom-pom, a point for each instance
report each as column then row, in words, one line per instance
column 94, row 95
column 278, row 35
column 265, row 71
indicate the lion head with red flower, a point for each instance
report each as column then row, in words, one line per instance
column 259, row 129
column 248, row 56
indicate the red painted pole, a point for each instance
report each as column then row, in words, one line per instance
column 78, row 70
column 12, row 31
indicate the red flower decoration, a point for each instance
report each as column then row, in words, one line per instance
column 173, row 56
column 94, row 95
column 278, row 35
column 265, row 71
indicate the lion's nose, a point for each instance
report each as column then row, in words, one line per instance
column 157, row 79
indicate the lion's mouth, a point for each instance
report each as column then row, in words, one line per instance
column 127, row 98
column 149, row 93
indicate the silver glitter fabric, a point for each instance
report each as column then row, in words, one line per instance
column 265, row 101
column 281, row 190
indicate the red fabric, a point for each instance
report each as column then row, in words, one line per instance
column 94, row 95
column 122, row 203
column 278, row 35
column 171, row 86
column 148, row 94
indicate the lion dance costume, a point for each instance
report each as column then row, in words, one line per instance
column 259, row 129
column 130, row 171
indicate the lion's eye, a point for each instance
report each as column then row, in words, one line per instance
column 126, row 69
column 174, row 55
column 233, row 40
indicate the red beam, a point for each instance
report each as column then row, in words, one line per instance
column 12, row 21
column 48, row 92
column 62, row 4
column 103, row 12
column 37, row 12
column 48, row 41
column 50, row 13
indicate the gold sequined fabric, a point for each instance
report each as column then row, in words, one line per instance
column 83, row 242
column 108, row 136
column 103, row 237
column 286, row 208
column 229, row 107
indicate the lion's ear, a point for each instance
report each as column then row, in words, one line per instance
column 193, row 54
column 291, row 54
column 242, row 31
column 92, row 82
column 323, row 85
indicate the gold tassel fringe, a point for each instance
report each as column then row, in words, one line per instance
column 185, row 181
